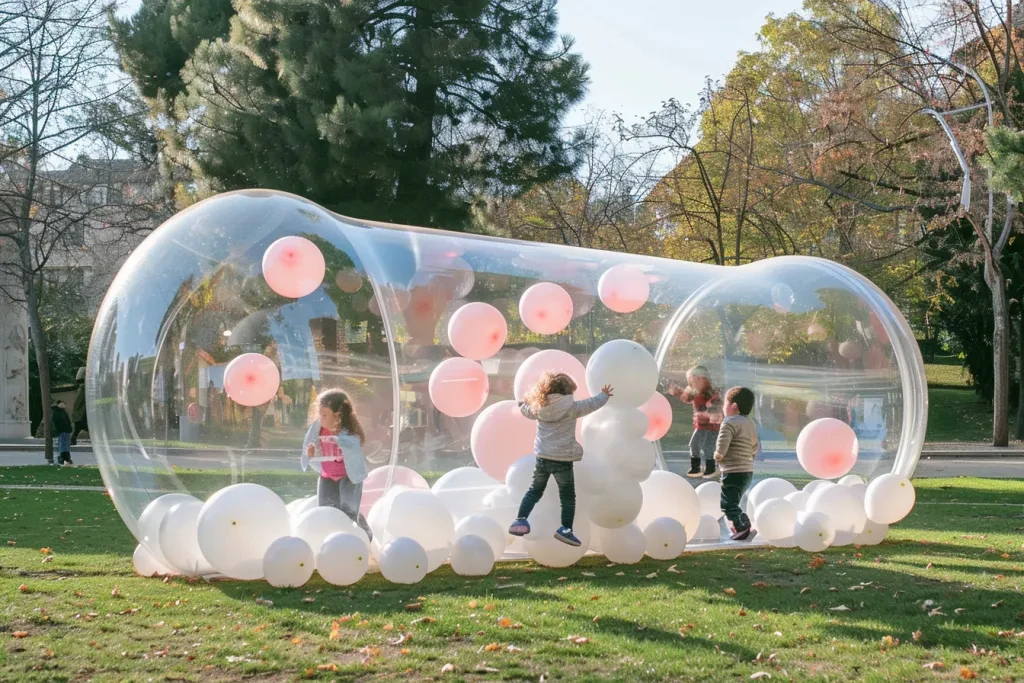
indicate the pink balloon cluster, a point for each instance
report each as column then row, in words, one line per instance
column 624, row 288
column 545, row 308
column 458, row 387
column 827, row 448
column 477, row 331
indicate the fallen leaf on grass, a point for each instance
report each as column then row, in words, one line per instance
column 841, row 608
column 296, row 641
column 423, row 620
column 889, row 641
column 489, row 608
column 309, row 601
column 578, row 640
column 759, row 584
column 335, row 631
column 652, row 575
column 20, row 634
column 743, row 612
column 47, row 653
column 23, row 588
column 327, row 667
column 620, row 573
column 996, row 605
column 917, row 635
column 266, row 603
column 967, row 673
column 759, row 675
column 817, row 562
column 513, row 649
column 48, row 558
column 673, row 570
column 492, row 647
column 934, row 665
column 414, row 607
column 805, row 589
column 562, row 578
column 588, row 573
column 729, row 591
column 404, row 651
column 45, row 551
column 401, row 640
column 447, row 668
column 473, row 604
column 959, row 610
column 389, row 627
column 116, row 592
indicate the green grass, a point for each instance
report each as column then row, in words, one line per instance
column 88, row 617
column 958, row 415
column 946, row 371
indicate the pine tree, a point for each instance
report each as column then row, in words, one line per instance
column 393, row 110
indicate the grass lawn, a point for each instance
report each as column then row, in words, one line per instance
column 943, row 591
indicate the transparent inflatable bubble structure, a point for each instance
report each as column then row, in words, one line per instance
column 222, row 331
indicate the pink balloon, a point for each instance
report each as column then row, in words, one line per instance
column 623, row 288
column 659, row 416
column 348, row 281
column 550, row 360
column 458, row 387
column 500, row 436
column 293, row 267
column 827, row 448
column 477, row 331
column 373, row 485
column 545, row 308
column 251, row 379
column 850, row 350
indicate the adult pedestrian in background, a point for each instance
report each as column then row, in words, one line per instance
column 78, row 415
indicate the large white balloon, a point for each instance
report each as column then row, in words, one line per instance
column 343, row 558
column 766, row 489
column 889, row 499
column 665, row 539
column 520, row 475
column 844, row 507
column 775, row 521
column 152, row 516
column 237, row 525
column 288, row 562
column 486, row 528
column 618, row 506
column 500, row 506
column 320, row 522
column 147, row 565
column 798, row 499
column 666, row 494
column 628, row 367
column 629, row 423
column 814, row 531
column 419, row 515
column 708, row 531
column 472, row 556
column 710, row 496
column 550, row 552
column 873, row 534
column 624, row 545
column 179, row 539
column 812, row 486
column 632, row 458
column 463, row 490
column 592, row 474
column 403, row 560
column 299, row 504
column 850, row 480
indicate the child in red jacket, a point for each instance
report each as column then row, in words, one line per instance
column 707, row 415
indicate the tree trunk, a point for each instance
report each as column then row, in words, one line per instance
column 255, row 434
column 42, row 361
column 1020, row 375
column 1000, row 356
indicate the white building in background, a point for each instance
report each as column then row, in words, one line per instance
column 114, row 193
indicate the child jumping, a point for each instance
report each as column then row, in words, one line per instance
column 737, row 446
column 551, row 404
column 334, row 447
column 705, row 401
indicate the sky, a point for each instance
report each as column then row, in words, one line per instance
column 642, row 52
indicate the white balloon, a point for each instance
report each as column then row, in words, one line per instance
column 147, row 565
column 844, row 507
column 813, row 486
column 630, row 423
column 710, row 496
column 403, row 560
column 873, row 534
column 237, row 525
column 618, row 506
column 288, row 562
column 500, row 506
column 666, row 494
column 317, row 524
column 664, row 539
column 624, row 545
column 798, row 499
column 302, row 506
column 766, row 489
column 463, row 490
column 889, row 499
column 343, row 558
column 519, row 476
column 179, row 539
column 850, row 480
column 814, row 531
column 628, row 367
column 592, row 475
column 486, row 528
column 632, row 458
column 295, row 504
column 775, row 520
column 472, row 556
column 550, row 552
column 708, row 531
column 421, row 516
column 150, row 519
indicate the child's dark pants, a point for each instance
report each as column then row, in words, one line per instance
column 562, row 471
column 733, row 486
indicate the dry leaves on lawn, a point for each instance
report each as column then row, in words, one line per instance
column 447, row 668
column 20, row 634
column 729, row 591
column 578, row 640
column 934, row 665
column 967, row 673
column 327, row 667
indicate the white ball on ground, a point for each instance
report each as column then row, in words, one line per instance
column 665, row 539
column 463, row 490
column 850, row 480
column 708, row 531
column 147, row 565
column 844, row 507
column 152, row 516
column 486, row 528
column 626, row 366
column 403, row 560
column 666, row 494
column 179, row 539
column 288, row 562
column 766, row 489
column 237, row 525
column 775, row 521
column 618, row 506
column 798, row 499
column 710, row 496
column 814, row 531
column 550, row 552
column 873, row 534
column 889, row 499
column 472, row 556
column 343, row 559
column 314, row 525
column 624, row 545
column 421, row 516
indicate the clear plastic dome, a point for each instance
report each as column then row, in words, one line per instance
column 810, row 337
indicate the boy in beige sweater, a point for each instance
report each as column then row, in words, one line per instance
column 735, row 451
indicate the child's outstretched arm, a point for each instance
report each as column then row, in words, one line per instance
column 589, row 405
column 527, row 411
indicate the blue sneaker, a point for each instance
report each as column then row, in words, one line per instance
column 565, row 535
column 520, row 527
